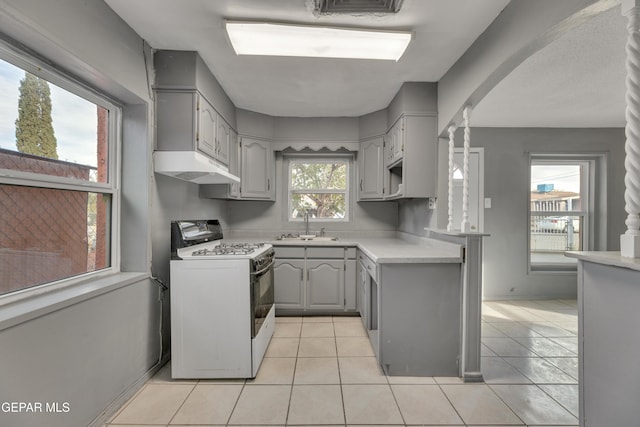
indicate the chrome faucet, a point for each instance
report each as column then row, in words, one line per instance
column 306, row 222
column 321, row 231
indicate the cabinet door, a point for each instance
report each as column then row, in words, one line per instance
column 371, row 168
column 325, row 284
column 222, row 141
column 257, row 165
column 398, row 137
column 388, row 147
column 289, row 283
column 364, row 294
column 234, row 162
column 207, row 126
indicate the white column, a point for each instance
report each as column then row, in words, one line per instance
column 465, row 226
column 630, row 241
column 451, row 130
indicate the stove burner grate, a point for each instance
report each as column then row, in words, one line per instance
column 229, row 249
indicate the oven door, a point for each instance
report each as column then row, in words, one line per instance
column 262, row 296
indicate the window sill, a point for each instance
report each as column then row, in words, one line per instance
column 20, row 310
column 552, row 269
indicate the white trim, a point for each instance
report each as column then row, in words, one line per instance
column 299, row 145
column 587, row 199
column 47, row 291
column 327, row 159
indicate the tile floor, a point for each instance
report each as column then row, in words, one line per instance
column 321, row 371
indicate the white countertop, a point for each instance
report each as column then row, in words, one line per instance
column 388, row 250
column 606, row 258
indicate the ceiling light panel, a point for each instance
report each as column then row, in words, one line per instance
column 256, row 38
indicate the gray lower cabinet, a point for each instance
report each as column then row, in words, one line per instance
column 289, row 279
column 608, row 340
column 418, row 318
column 325, row 284
column 304, row 283
column 411, row 312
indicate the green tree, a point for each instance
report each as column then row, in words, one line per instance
column 34, row 127
column 313, row 184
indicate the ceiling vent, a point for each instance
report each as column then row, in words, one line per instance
column 358, row 6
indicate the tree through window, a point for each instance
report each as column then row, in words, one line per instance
column 318, row 187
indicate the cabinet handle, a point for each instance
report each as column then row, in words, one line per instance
column 361, row 185
column 268, row 184
column 301, row 275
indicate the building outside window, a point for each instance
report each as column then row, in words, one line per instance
column 559, row 213
column 319, row 188
column 58, row 177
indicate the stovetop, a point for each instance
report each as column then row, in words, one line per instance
column 229, row 249
column 202, row 239
column 224, row 250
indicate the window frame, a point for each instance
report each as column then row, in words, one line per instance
column 588, row 196
column 45, row 70
column 323, row 158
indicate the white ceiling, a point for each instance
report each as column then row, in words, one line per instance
column 577, row 81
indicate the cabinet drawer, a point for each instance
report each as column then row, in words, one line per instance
column 332, row 252
column 289, row 252
column 369, row 265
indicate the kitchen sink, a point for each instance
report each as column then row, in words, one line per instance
column 306, row 238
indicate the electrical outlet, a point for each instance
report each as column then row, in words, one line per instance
column 432, row 202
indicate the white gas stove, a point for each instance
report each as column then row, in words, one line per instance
column 222, row 302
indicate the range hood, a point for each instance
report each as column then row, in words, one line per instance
column 193, row 167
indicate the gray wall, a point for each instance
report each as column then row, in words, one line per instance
column 96, row 351
column 271, row 217
column 414, row 216
column 506, row 164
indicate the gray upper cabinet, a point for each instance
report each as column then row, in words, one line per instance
column 223, row 136
column 192, row 110
column 186, row 121
column 207, row 125
column 253, row 161
column 394, row 143
column 177, row 125
column 234, row 162
column 257, row 169
column 371, row 169
column 411, row 157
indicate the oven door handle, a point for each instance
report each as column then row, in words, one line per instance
column 257, row 273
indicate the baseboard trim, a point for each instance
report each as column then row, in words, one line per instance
column 113, row 407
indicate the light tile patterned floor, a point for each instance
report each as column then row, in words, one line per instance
column 321, row 371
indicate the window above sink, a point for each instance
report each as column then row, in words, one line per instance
column 319, row 187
